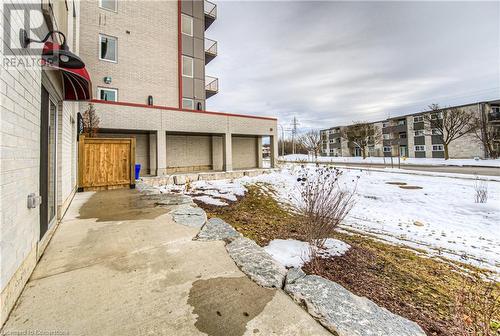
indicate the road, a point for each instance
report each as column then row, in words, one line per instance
column 484, row 171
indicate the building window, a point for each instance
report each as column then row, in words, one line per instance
column 187, row 25
column 418, row 119
column 108, row 4
column 108, row 46
column 437, row 148
column 187, row 66
column 387, row 149
column 402, row 122
column 385, row 124
column 332, row 141
column 107, row 94
column 436, row 131
column 435, row 116
column 419, row 148
column 188, row 103
column 419, row 133
column 386, row 136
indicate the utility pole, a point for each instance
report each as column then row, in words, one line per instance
column 294, row 133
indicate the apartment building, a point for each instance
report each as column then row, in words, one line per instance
column 38, row 132
column 147, row 60
column 410, row 136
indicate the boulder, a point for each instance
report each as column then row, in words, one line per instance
column 256, row 263
column 189, row 216
column 217, row 229
column 342, row 312
column 173, row 199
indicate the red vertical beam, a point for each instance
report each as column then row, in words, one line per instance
column 179, row 51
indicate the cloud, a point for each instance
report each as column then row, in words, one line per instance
column 330, row 63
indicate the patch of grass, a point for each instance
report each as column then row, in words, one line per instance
column 404, row 281
column 258, row 216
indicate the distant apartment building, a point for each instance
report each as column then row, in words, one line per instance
column 409, row 136
column 147, row 60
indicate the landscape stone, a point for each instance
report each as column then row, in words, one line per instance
column 180, row 179
column 189, row 216
column 344, row 313
column 174, row 199
column 217, row 229
column 256, row 263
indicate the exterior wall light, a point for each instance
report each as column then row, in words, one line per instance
column 107, row 80
column 54, row 54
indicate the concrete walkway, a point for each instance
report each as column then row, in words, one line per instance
column 117, row 265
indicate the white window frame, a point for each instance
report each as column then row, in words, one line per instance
column 386, row 136
column 192, row 103
column 418, row 119
column 387, row 149
column 437, row 146
column 99, row 89
column 401, row 122
column 192, row 66
column 435, row 131
column 419, row 132
column 183, row 16
column 116, row 51
column 419, row 148
column 111, row 10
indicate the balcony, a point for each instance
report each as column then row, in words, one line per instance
column 210, row 50
column 494, row 115
column 210, row 13
column 211, row 86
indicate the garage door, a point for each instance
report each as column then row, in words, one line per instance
column 189, row 153
column 244, row 152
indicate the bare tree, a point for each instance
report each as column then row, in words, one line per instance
column 486, row 133
column 362, row 134
column 312, row 142
column 90, row 121
column 322, row 203
column 450, row 123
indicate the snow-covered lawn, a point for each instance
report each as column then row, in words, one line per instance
column 294, row 253
column 407, row 161
column 440, row 218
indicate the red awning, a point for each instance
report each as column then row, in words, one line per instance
column 76, row 81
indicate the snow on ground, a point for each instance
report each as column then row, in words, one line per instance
column 294, row 253
column 441, row 218
column 408, row 161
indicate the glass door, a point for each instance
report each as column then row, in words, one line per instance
column 48, row 162
column 51, row 178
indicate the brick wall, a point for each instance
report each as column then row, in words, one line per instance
column 147, row 49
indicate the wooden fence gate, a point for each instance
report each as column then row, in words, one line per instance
column 106, row 163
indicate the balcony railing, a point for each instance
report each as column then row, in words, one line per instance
column 210, row 50
column 210, row 13
column 211, row 86
column 494, row 116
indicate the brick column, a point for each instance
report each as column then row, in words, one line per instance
column 228, row 152
column 161, row 152
column 274, row 150
column 152, row 153
column 259, row 151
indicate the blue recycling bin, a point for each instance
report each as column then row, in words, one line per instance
column 137, row 170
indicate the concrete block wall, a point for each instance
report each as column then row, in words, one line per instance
column 19, row 166
column 20, row 125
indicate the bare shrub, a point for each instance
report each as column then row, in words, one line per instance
column 90, row 121
column 481, row 191
column 322, row 203
column 477, row 307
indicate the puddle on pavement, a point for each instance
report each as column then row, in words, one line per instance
column 119, row 205
column 225, row 305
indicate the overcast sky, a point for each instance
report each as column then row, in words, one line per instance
column 331, row 63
